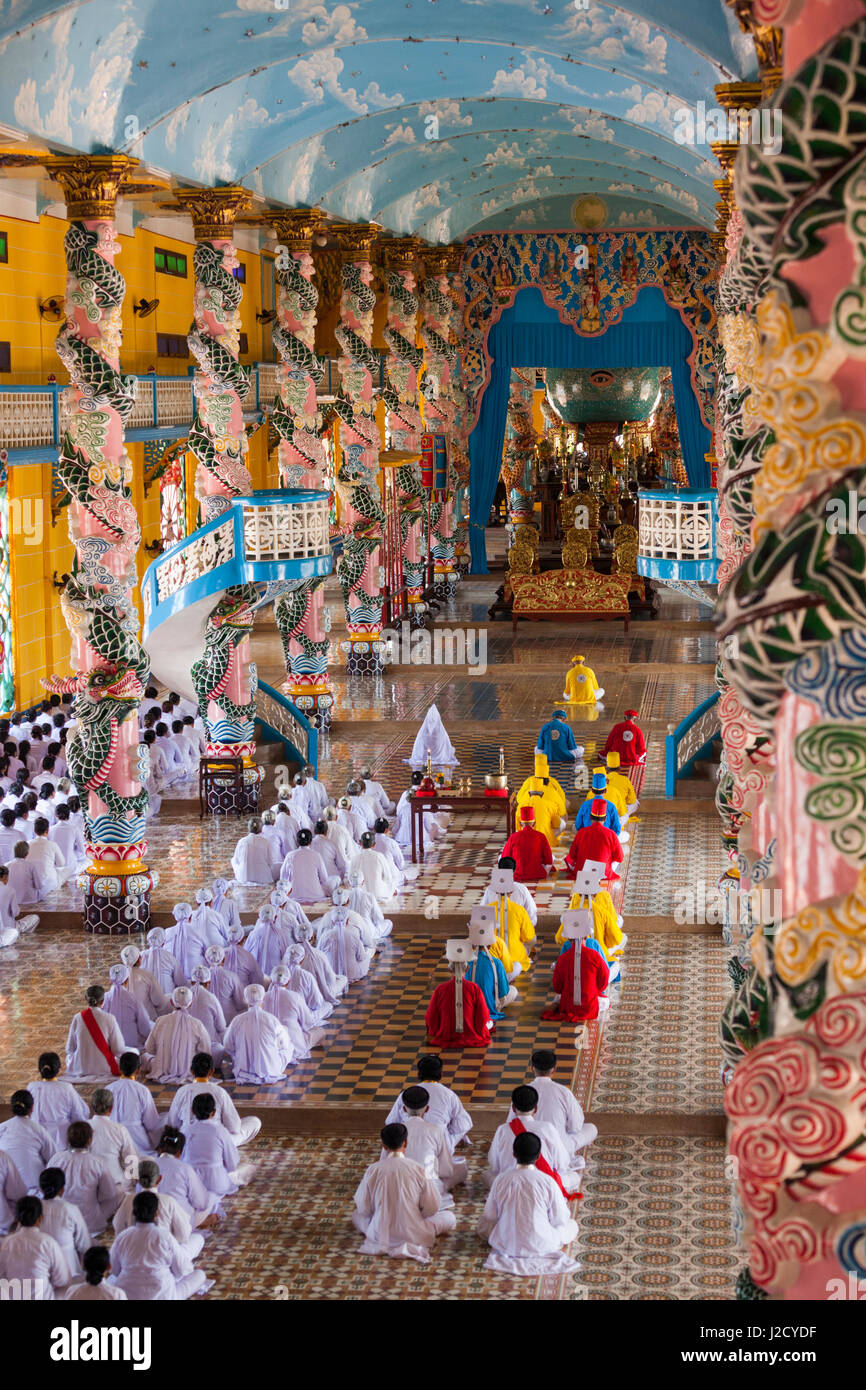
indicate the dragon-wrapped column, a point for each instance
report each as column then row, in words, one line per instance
column 402, row 368
column 359, row 569
column 106, row 761
column 223, row 679
column 300, row 614
column 439, row 407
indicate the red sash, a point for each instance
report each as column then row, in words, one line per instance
column 96, row 1034
column 518, row 1127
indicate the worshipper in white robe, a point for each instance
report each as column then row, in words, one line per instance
column 96, row 1287
column 56, row 1104
column 397, row 1206
column 342, row 912
column 287, row 827
column 332, row 983
column 174, row 761
column 28, row 1144
column 362, row 806
column 186, row 941
column 317, row 790
column 24, row 879
column 225, row 984
column 195, row 742
column 377, row 794
column 254, row 859
column 268, row 941
column 343, row 943
column 427, row 1144
column 293, row 1014
column 46, row 806
column 8, row 835
column 202, row 1069
column 280, row 836
column 174, row 1041
column 210, row 1151
column 144, row 985
column 303, row 871
column 290, row 914
column 89, row 1183
column 147, row 1262
column 30, row 1260
column 526, row 1218
column 304, row 800
column 161, row 962
column 432, row 739
column 225, row 905
column 206, row 920
column 94, row 1041
column 340, row 836
column 12, row 1186
column 524, row 1102
column 387, row 845
column 303, row 982
column 188, row 754
column 239, row 960
column 69, row 839
column 47, row 859
column 368, row 907
column 112, row 1141
column 182, row 1182
column 208, row 1009
column 11, row 924
column 257, row 1043
column 170, row 1214
column 349, row 819
column 431, row 826
column 336, row 865
column 132, row 1018
column 557, row 1106
column 63, row 1220
column 133, row 1105
column 445, row 1107
column 381, row 878
column 158, row 779
column 518, row 893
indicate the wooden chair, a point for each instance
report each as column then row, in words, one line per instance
column 221, row 787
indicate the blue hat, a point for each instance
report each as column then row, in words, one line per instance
column 599, row 782
column 559, row 714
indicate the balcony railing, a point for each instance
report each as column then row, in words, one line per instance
column 690, row 740
column 677, row 534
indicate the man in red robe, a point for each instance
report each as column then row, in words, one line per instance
column 529, row 849
column 627, row 740
column 458, row 1022
column 593, row 982
column 595, row 841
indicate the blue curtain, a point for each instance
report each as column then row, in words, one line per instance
column 530, row 334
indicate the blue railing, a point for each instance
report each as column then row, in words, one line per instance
column 689, row 741
column 282, row 722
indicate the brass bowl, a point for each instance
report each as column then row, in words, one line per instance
column 497, row 781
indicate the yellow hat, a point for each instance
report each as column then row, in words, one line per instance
column 613, row 760
column 575, row 659
column 542, row 767
column 536, row 784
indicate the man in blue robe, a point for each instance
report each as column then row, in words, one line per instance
column 487, row 971
column 556, row 740
column 584, row 814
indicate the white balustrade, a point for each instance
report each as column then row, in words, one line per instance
column 676, row 528
column 26, row 419
column 269, row 384
column 286, row 531
column 282, row 721
column 174, row 403
column 203, row 554
column 141, row 415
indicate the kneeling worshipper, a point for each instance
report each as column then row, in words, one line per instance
column 27, row 1143
column 210, row 1151
column 376, row 792
column 427, row 1144
column 148, row 1264
column 281, row 1001
column 557, row 1106
column 11, row 924
column 332, row 984
column 526, row 1219
column 303, row 871
column 186, row 942
column 626, row 739
column 431, row 740
column 290, row 914
column 581, row 686
column 387, row 845
column 161, row 962
column 368, row 907
column 56, row 1104
column 206, row 920
column 599, row 792
column 397, row 1206
column 303, row 983
column 239, row 961
column 69, row 839
column 607, row 933
column 530, row 850
column 88, row 1180
column 340, row 836
column 349, row 819
column 111, row 1140
column 268, row 942
column 551, row 789
column 224, row 904
column 380, row 874
column 132, row 1018
column 445, row 1107
column 182, row 1182
column 335, row 863
column 94, row 1042
column 225, row 984
column 257, row 1043
column 360, row 804
column 618, row 782
column 62, row 1219
column 485, row 970
column 96, row 1288
column 255, row 859
column 208, row 1010
column 30, row 1259
column 202, row 1070
column 557, row 742
column 431, row 827
column 585, row 998
column 170, row 1214
column 518, row 892
column 133, row 1105
column 282, row 836
column 457, row 1015
column 174, row 1040
column 316, row 789
column 143, row 985
column 555, row 1155
column 341, row 940
column 12, row 1186
column 595, row 841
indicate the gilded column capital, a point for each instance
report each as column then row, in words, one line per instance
column 442, row 260
column 213, row 210
column 402, row 253
column 357, row 239
column 91, row 183
column 295, row 228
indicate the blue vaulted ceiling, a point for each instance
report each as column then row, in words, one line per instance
column 440, row 117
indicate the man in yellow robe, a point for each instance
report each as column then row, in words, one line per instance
column 581, row 686
column 514, row 931
column 618, row 782
column 552, row 789
column 543, row 801
column 607, row 930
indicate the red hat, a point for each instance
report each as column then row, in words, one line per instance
column 631, row 714
column 598, row 807
column 527, row 813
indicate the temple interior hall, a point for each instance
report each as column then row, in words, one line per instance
column 433, row 653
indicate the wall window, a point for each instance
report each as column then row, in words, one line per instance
column 171, row 345
column 4, row 247
column 243, row 346
column 5, row 357
column 169, row 262
column 240, row 273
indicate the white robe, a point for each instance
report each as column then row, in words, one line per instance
column 259, row 1047
column 227, row 910
column 182, row 1182
column 377, row 794
column 208, row 1010
column 286, row 828
column 180, row 1114
column 304, row 869
column 148, row 991
column 113, row 1143
column 397, row 1209
column 28, row 1254
column 369, row 908
column 332, row 983
column 62, row 1219
column 211, row 1152
column 267, row 943
column 558, row 1107
column 225, row 986
column 527, row 1222
column 28, row 1144
column 173, row 1042
column 170, row 1215
column 149, row 1265
column 12, row 1186
column 501, row 1157
column 254, row 860
column 187, row 944
column 84, row 1061
column 303, row 982
column 351, row 822
column 209, row 923
column 70, row 841
column 131, row 1017
column 427, row 1144
column 56, row 1104
column 381, row 878
column 164, row 966
column 24, row 881
column 364, row 808
column 432, row 738
column 95, row 1293
column 46, row 859
column 89, row 1185
column 445, row 1109
column 342, row 838
column 241, row 963
column 331, row 856
column 135, row 1110
column 295, row 1017
column 344, row 947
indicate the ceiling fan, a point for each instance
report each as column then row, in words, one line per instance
column 52, row 309
column 145, row 307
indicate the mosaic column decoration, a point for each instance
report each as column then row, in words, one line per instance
column 223, row 677
column 441, row 356
column 792, row 626
column 400, row 395
column 106, row 761
column 300, row 614
column 359, row 568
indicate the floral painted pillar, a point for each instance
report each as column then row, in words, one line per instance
column 223, row 677
column 439, row 408
column 300, row 614
column 404, row 417
column 106, row 761
column 358, row 568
